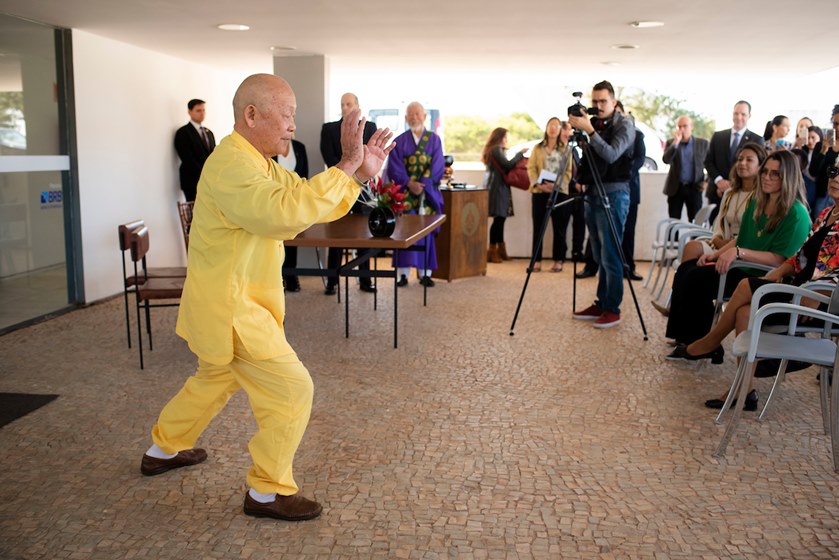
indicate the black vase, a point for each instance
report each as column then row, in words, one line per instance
column 382, row 222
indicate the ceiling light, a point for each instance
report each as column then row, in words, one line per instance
column 233, row 27
column 645, row 24
column 610, row 63
column 625, row 47
column 282, row 48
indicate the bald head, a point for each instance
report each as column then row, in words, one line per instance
column 349, row 102
column 263, row 109
column 415, row 117
column 685, row 126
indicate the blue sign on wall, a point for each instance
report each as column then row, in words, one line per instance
column 51, row 199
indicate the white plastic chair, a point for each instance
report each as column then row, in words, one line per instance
column 683, row 235
column 754, row 344
column 666, row 244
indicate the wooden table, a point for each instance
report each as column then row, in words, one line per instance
column 462, row 243
column 351, row 232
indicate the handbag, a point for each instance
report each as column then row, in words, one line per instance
column 516, row 177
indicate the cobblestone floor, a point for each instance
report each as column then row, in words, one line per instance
column 466, row 442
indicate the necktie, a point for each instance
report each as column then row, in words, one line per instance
column 204, row 138
column 735, row 141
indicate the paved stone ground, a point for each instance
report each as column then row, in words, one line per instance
column 558, row 442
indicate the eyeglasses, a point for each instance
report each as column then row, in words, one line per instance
column 832, row 172
column 771, row 173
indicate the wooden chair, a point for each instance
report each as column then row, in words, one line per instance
column 185, row 212
column 124, row 231
column 153, row 289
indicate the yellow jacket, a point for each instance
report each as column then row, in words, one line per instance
column 246, row 206
column 536, row 164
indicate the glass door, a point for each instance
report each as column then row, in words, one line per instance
column 37, row 252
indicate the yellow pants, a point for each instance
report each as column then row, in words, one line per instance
column 280, row 393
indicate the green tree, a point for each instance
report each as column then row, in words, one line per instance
column 660, row 112
column 11, row 106
column 467, row 134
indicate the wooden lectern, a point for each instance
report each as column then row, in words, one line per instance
column 462, row 242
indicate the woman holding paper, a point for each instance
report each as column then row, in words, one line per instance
column 550, row 166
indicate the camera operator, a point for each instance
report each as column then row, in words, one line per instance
column 611, row 136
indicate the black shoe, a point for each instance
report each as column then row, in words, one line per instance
column 292, row 284
column 402, row 282
column 769, row 368
column 330, row 289
column 635, row 276
column 367, row 287
column 427, row 282
column 585, row 273
column 750, row 406
column 716, row 355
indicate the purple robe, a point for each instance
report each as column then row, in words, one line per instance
column 396, row 172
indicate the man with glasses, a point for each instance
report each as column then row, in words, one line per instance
column 611, row 136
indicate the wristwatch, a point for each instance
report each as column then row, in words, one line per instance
column 738, row 251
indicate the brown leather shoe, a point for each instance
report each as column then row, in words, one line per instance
column 150, row 466
column 287, row 508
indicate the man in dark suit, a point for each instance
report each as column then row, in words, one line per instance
column 330, row 149
column 721, row 152
column 686, row 156
column 194, row 143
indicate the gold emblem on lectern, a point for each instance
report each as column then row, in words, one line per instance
column 470, row 219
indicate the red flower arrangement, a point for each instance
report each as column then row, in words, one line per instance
column 386, row 195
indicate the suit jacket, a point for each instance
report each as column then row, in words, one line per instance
column 330, row 140
column 193, row 154
column 718, row 163
column 672, row 158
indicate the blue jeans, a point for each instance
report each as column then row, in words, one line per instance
column 605, row 250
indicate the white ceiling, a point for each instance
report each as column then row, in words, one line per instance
column 713, row 38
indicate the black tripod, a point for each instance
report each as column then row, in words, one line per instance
column 552, row 205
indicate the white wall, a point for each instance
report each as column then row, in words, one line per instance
column 129, row 102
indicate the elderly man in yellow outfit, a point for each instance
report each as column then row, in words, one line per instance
column 232, row 309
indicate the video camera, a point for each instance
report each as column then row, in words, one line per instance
column 578, row 109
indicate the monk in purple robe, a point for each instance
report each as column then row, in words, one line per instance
column 416, row 163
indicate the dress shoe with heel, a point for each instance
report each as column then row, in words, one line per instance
column 750, row 406
column 403, row 281
column 660, row 308
column 717, row 355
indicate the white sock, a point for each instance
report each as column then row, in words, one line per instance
column 157, row 453
column 404, row 271
column 262, row 498
column 428, row 272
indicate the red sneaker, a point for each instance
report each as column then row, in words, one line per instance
column 590, row 313
column 607, row 320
